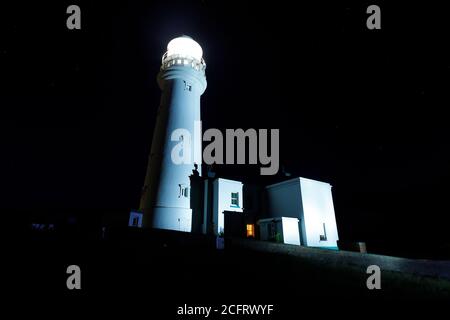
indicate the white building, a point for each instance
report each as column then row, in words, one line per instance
column 282, row 229
column 227, row 196
column 311, row 202
column 165, row 200
column 298, row 211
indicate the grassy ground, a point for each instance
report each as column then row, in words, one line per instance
column 166, row 276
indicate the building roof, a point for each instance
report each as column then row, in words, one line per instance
column 228, row 180
column 274, row 219
column 293, row 181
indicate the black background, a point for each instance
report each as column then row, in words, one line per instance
column 364, row 110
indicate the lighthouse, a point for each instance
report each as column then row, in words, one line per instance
column 165, row 199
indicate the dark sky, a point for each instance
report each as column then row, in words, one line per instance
column 364, row 110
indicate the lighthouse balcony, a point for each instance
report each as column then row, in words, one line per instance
column 182, row 60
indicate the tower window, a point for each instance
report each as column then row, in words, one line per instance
column 187, row 86
column 235, row 199
column 184, row 191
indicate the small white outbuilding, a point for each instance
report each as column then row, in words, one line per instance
column 311, row 202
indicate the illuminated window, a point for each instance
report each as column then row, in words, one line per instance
column 235, row 199
column 251, row 230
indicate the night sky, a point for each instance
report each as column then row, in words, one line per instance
column 365, row 110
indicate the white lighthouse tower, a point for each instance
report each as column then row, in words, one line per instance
column 165, row 200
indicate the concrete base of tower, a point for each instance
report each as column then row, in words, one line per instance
column 170, row 218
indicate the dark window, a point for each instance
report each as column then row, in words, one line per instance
column 323, row 237
column 187, row 86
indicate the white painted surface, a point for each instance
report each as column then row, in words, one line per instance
column 222, row 201
column 318, row 209
column 311, row 202
column 291, row 234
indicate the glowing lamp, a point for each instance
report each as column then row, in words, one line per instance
column 185, row 47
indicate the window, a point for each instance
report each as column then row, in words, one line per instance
column 183, row 191
column 235, row 199
column 323, row 237
column 187, row 86
column 250, row 230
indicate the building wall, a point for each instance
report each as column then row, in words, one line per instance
column 263, row 233
column 285, row 226
column 284, row 200
column 269, row 224
column 318, row 209
column 311, row 202
column 291, row 234
column 222, row 201
column 162, row 202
